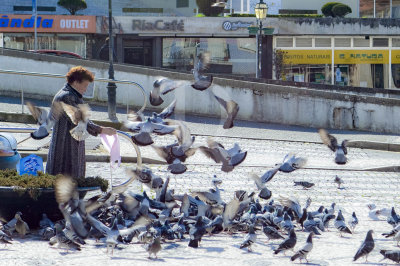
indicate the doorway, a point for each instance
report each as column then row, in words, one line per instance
column 377, row 75
column 138, row 52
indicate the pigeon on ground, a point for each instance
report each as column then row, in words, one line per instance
column 353, row 222
column 161, row 87
column 229, row 157
column 396, row 238
column 318, row 212
column 340, row 224
column 45, row 222
column 303, row 252
column 326, row 219
column 201, row 81
column 338, row 181
column 4, row 238
column 310, row 225
column 366, row 247
column 44, row 118
column 153, row 247
column 393, row 255
column 21, row 226
column 63, row 241
column 9, row 227
column 196, row 232
column 249, row 239
column 286, row 224
column 271, row 232
column 393, row 232
column 288, row 243
column 331, row 210
column 231, row 108
column 80, row 117
column 144, row 129
column 393, row 219
column 331, row 142
column 304, row 184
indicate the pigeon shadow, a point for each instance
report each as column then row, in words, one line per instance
column 213, row 249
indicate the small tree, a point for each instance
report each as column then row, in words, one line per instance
column 72, row 6
column 205, row 7
column 279, row 63
column 341, row 10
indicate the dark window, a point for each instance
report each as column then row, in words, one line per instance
column 40, row 8
column 182, row 3
column 380, row 42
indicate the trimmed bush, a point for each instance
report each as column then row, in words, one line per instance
column 341, row 10
column 327, row 9
column 10, row 178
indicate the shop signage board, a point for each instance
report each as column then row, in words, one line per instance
column 309, row 57
column 361, row 57
column 48, row 23
column 320, row 57
column 395, row 56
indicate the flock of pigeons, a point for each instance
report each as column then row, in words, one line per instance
column 121, row 215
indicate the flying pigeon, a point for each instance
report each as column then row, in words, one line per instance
column 144, row 128
column 63, row 241
column 229, row 158
column 80, row 117
column 366, row 247
column 201, row 81
column 161, row 87
column 265, row 193
column 231, row 108
column 331, row 142
column 44, row 118
column 303, row 252
column 157, row 118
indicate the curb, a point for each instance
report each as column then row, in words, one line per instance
column 28, row 119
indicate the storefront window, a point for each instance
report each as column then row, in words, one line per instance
column 71, row 43
column 308, row 73
column 228, row 55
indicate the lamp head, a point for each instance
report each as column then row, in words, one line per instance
column 261, row 10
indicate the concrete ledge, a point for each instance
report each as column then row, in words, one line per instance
column 374, row 145
column 99, row 158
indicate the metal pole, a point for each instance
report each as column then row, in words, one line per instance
column 260, row 50
column 257, row 54
column 34, row 7
column 111, row 87
column 374, row 8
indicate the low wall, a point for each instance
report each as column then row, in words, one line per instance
column 258, row 101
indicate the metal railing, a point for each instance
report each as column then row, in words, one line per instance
column 48, row 75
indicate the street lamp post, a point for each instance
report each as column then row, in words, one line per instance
column 261, row 13
column 111, row 87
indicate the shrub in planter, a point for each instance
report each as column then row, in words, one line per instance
column 341, row 10
column 34, row 195
column 327, row 9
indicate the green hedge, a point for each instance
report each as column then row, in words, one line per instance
column 280, row 16
column 341, row 10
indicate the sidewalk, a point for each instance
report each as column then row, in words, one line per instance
column 11, row 107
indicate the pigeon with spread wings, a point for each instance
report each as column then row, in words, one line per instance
column 201, row 81
column 44, row 118
column 80, row 117
column 232, row 108
column 161, row 87
column 332, row 143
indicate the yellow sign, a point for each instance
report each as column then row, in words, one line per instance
column 395, row 56
column 308, row 57
column 361, row 57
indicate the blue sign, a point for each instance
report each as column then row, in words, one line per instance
column 30, row 165
column 5, row 22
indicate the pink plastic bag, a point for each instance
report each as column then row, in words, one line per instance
column 111, row 143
